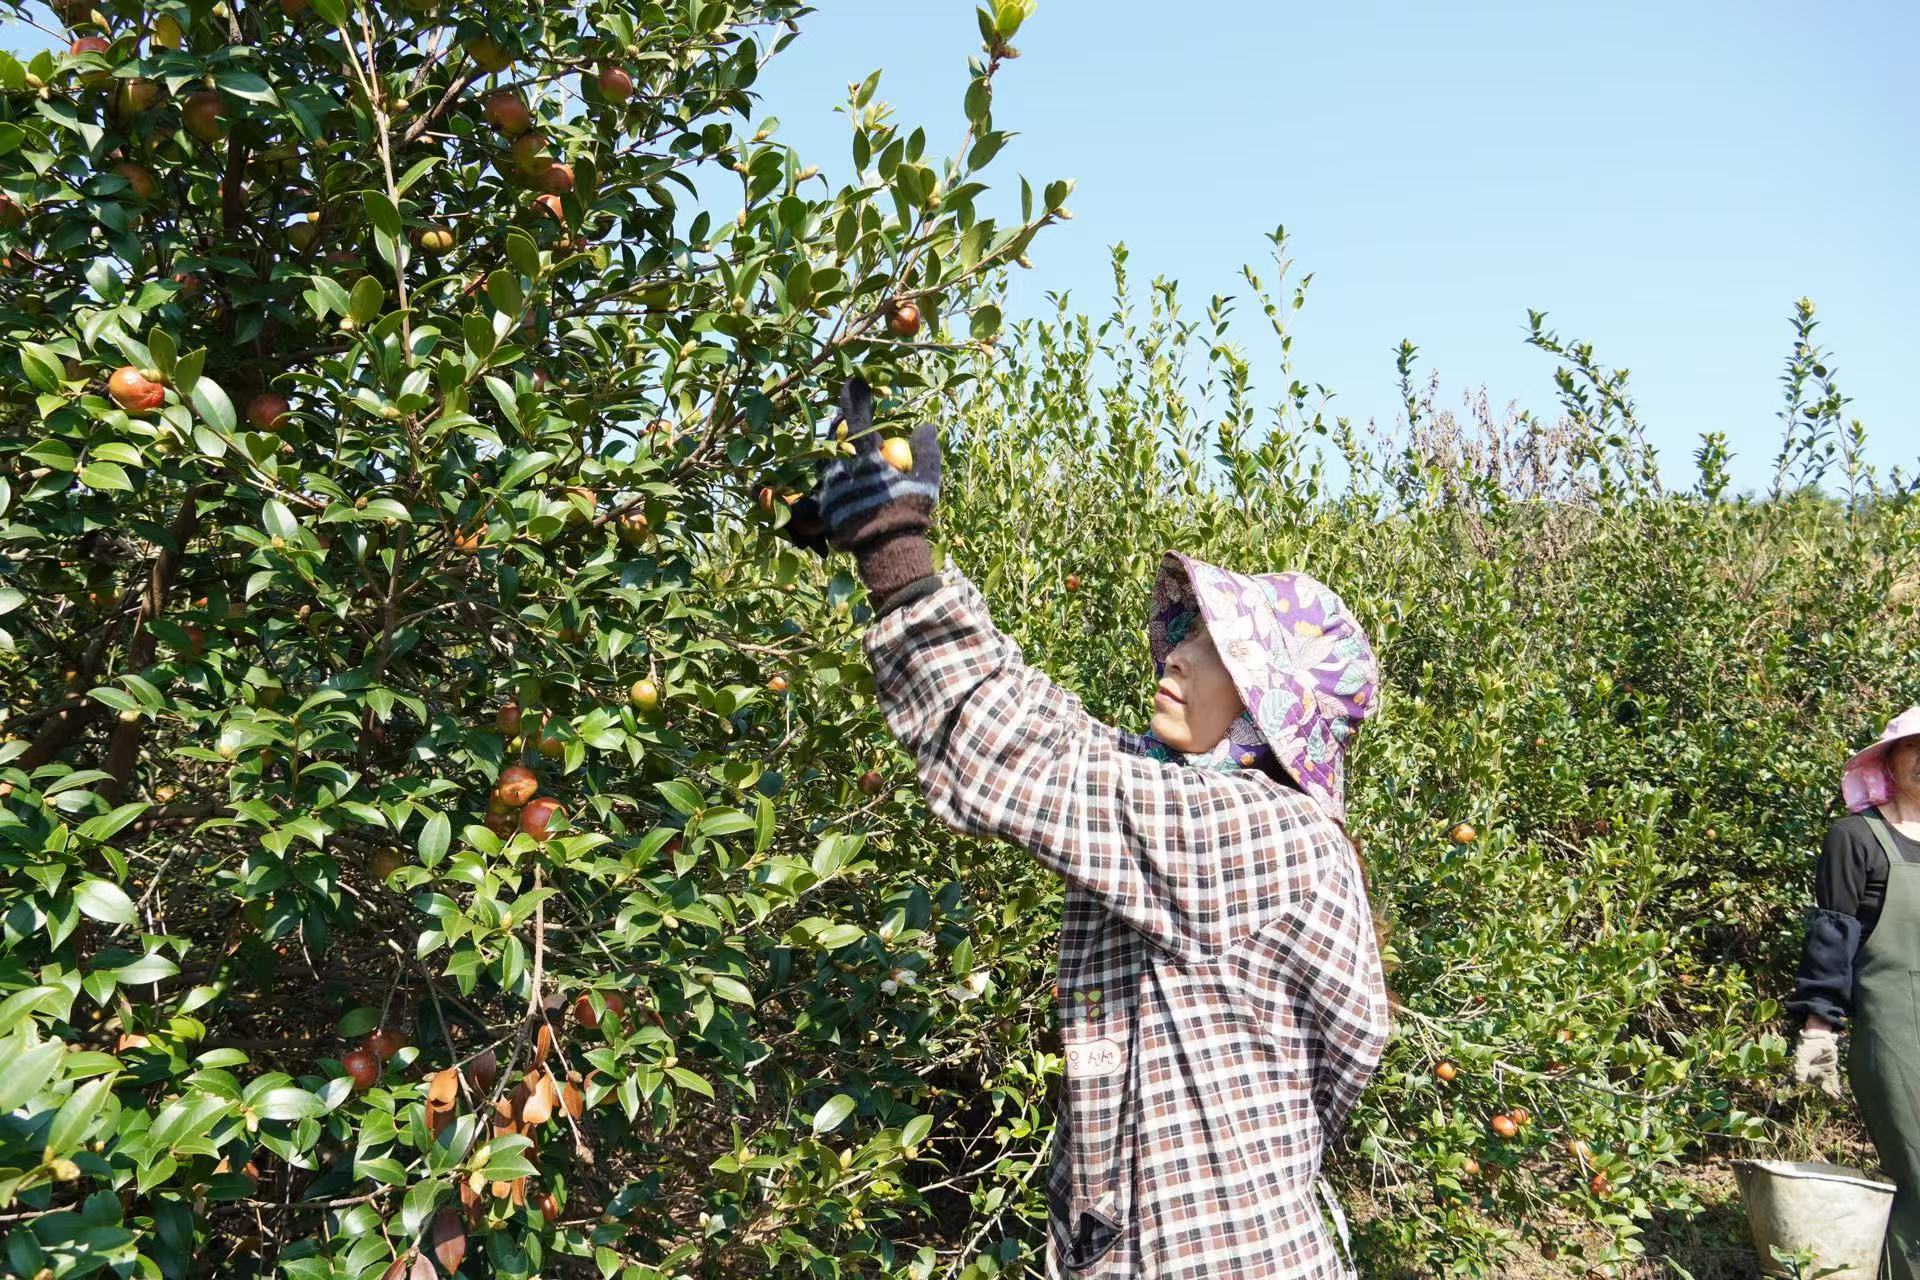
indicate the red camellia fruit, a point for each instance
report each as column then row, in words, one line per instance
column 538, row 815
column 383, row 1044
column 88, row 44
column 548, row 1206
column 1073, row 582
column 904, row 320
column 133, row 391
column 267, row 411
column 583, row 1008
column 362, row 1067
column 1503, row 1125
column 872, row 783
column 615, row 84
column 518, row 784
column 556, row 179
column 508, row 719
column 508, row 112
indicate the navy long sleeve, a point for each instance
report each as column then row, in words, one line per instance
column 1849, row 889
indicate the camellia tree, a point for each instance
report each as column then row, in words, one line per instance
column 432, row 798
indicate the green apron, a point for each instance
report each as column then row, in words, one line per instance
column 1884, row 1065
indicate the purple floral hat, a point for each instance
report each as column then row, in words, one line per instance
column 1301, row 662
column 1865, row 780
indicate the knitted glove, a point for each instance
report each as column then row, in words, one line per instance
column 864, row 505
column 1816, row 1060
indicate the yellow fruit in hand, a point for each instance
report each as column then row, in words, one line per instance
column 898, row 453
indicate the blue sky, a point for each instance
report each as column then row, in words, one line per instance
column 1663, row 180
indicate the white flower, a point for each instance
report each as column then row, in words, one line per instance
column 889, row 986
column 904, row 976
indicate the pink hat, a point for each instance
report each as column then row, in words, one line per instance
column 1866, row 780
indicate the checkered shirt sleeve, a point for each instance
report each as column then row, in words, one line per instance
column 1191, row 859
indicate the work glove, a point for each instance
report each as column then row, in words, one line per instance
column 863, row 504
column 1816, row 1060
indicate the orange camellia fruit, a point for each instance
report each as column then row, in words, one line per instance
column 555, row 179
column 267, row 411
column 897, row 453
column 1470, row 1167
column 1445, row 1070
column 518, row 784
column 1578, row 1149
column 583, row 1008
column 778, row 683
column 1463, row 833
column 1503, row 1125
column 904, row 320
column 1520, row 1115
column 1599, row 1186
column 1073, row 582
column 134, row 391
column 644, row 694
column 508, row 112
column 140, row 180
column 538, row 816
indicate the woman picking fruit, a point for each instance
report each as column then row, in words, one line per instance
column 1862, row 950
column 1221, row 996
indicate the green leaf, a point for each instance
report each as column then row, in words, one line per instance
column 279, row 521
column 42, row 367
column 104, row 900
column 211, row 403
column 77, row 1115
column 681, row 794
column 986, row 322
column 527, row 465
column 836, row 1109
column 105, row 476
column 288, row 1103
column 148, row 968
column 382, row 213
column 107, row 825
column 369, row 297
column 434, row 839
column 28, row 1072
column 245, row 84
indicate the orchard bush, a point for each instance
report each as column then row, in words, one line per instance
column 445, row 829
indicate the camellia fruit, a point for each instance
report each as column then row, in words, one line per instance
column 508, row 112
column 555, row 179
column 507, row 719
column 547, row 1206
column 1599, row 1186
column 1073, row 582
column 436, row 240
column 1470, row 1167
column 538, row 816
column 302, row 236
column 644, row 694
column 11, row 214
column 383, row 1044
column 488, row 54
column 527, row 153
column 872, row 783
column 1463, row 833
column 1445, row 1070
column 362, row 1067
column 140, row 179
column 267, row 411
column 384, row 863
column 583, row 1008
column 133, row 391
column 904, row 320
column 778, row 683
column 135, row 95
column 201, row 113
column 898, row 453
column 518, row 784
column 615, row 84
column 1503, row 1125
column 766, row 500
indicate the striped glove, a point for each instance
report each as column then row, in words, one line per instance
column 865, row 505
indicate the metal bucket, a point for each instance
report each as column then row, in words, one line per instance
column 1838, row 1213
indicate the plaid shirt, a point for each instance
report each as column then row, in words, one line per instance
column 1220, row 994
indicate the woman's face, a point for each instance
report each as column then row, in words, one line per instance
column 1903, row 764
column 1196, row 702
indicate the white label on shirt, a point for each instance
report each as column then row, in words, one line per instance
column 1100, row 1057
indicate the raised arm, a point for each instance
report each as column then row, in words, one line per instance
column 1191, row 859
